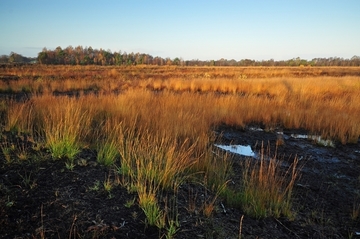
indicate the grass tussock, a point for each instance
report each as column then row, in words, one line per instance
column 65, row 123
column 267, row 190
column 18, row 117
column 152, row 161
column 107, row 145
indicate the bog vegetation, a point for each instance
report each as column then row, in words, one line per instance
column 154, row 126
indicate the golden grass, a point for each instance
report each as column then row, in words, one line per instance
column 329, row 104
column 18, row 116
column 64, row 124
column 159, row 122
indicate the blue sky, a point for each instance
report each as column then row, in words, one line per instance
column 191, row 29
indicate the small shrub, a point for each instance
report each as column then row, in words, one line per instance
column 129, row 203
column 108, row 185
column 70, row 165
column 96, row 186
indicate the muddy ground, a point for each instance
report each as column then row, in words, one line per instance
column 43, row 199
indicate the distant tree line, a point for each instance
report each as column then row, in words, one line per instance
column 16, row 58
column 89, row 56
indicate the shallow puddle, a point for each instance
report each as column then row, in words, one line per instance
column 316, row 138
column 238, row 149
column 256, row 129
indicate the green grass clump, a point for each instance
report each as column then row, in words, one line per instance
column 107, row 153
column 107, row 143
column 154, row 215
column 64, row 147
column 233, row 198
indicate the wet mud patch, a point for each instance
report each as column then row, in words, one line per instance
column 327, row 194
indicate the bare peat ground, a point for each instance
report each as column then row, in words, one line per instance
column 41, row 198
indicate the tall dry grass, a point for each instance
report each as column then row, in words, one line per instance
column 155, row 125
column 19, row 116
column 326, row 106
column 63, row 122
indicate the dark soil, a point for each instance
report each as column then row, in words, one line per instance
column 39, row 196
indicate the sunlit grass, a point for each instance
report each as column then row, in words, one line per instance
column 155, row 126
column 18, row 117
column 65, row 123
column 304, row 99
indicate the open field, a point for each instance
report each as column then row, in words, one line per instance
column 130, row 152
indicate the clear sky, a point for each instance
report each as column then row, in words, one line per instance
column 191, row 29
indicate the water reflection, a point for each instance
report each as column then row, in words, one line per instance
column 238, row 149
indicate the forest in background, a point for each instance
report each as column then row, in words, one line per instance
column 88, row 56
